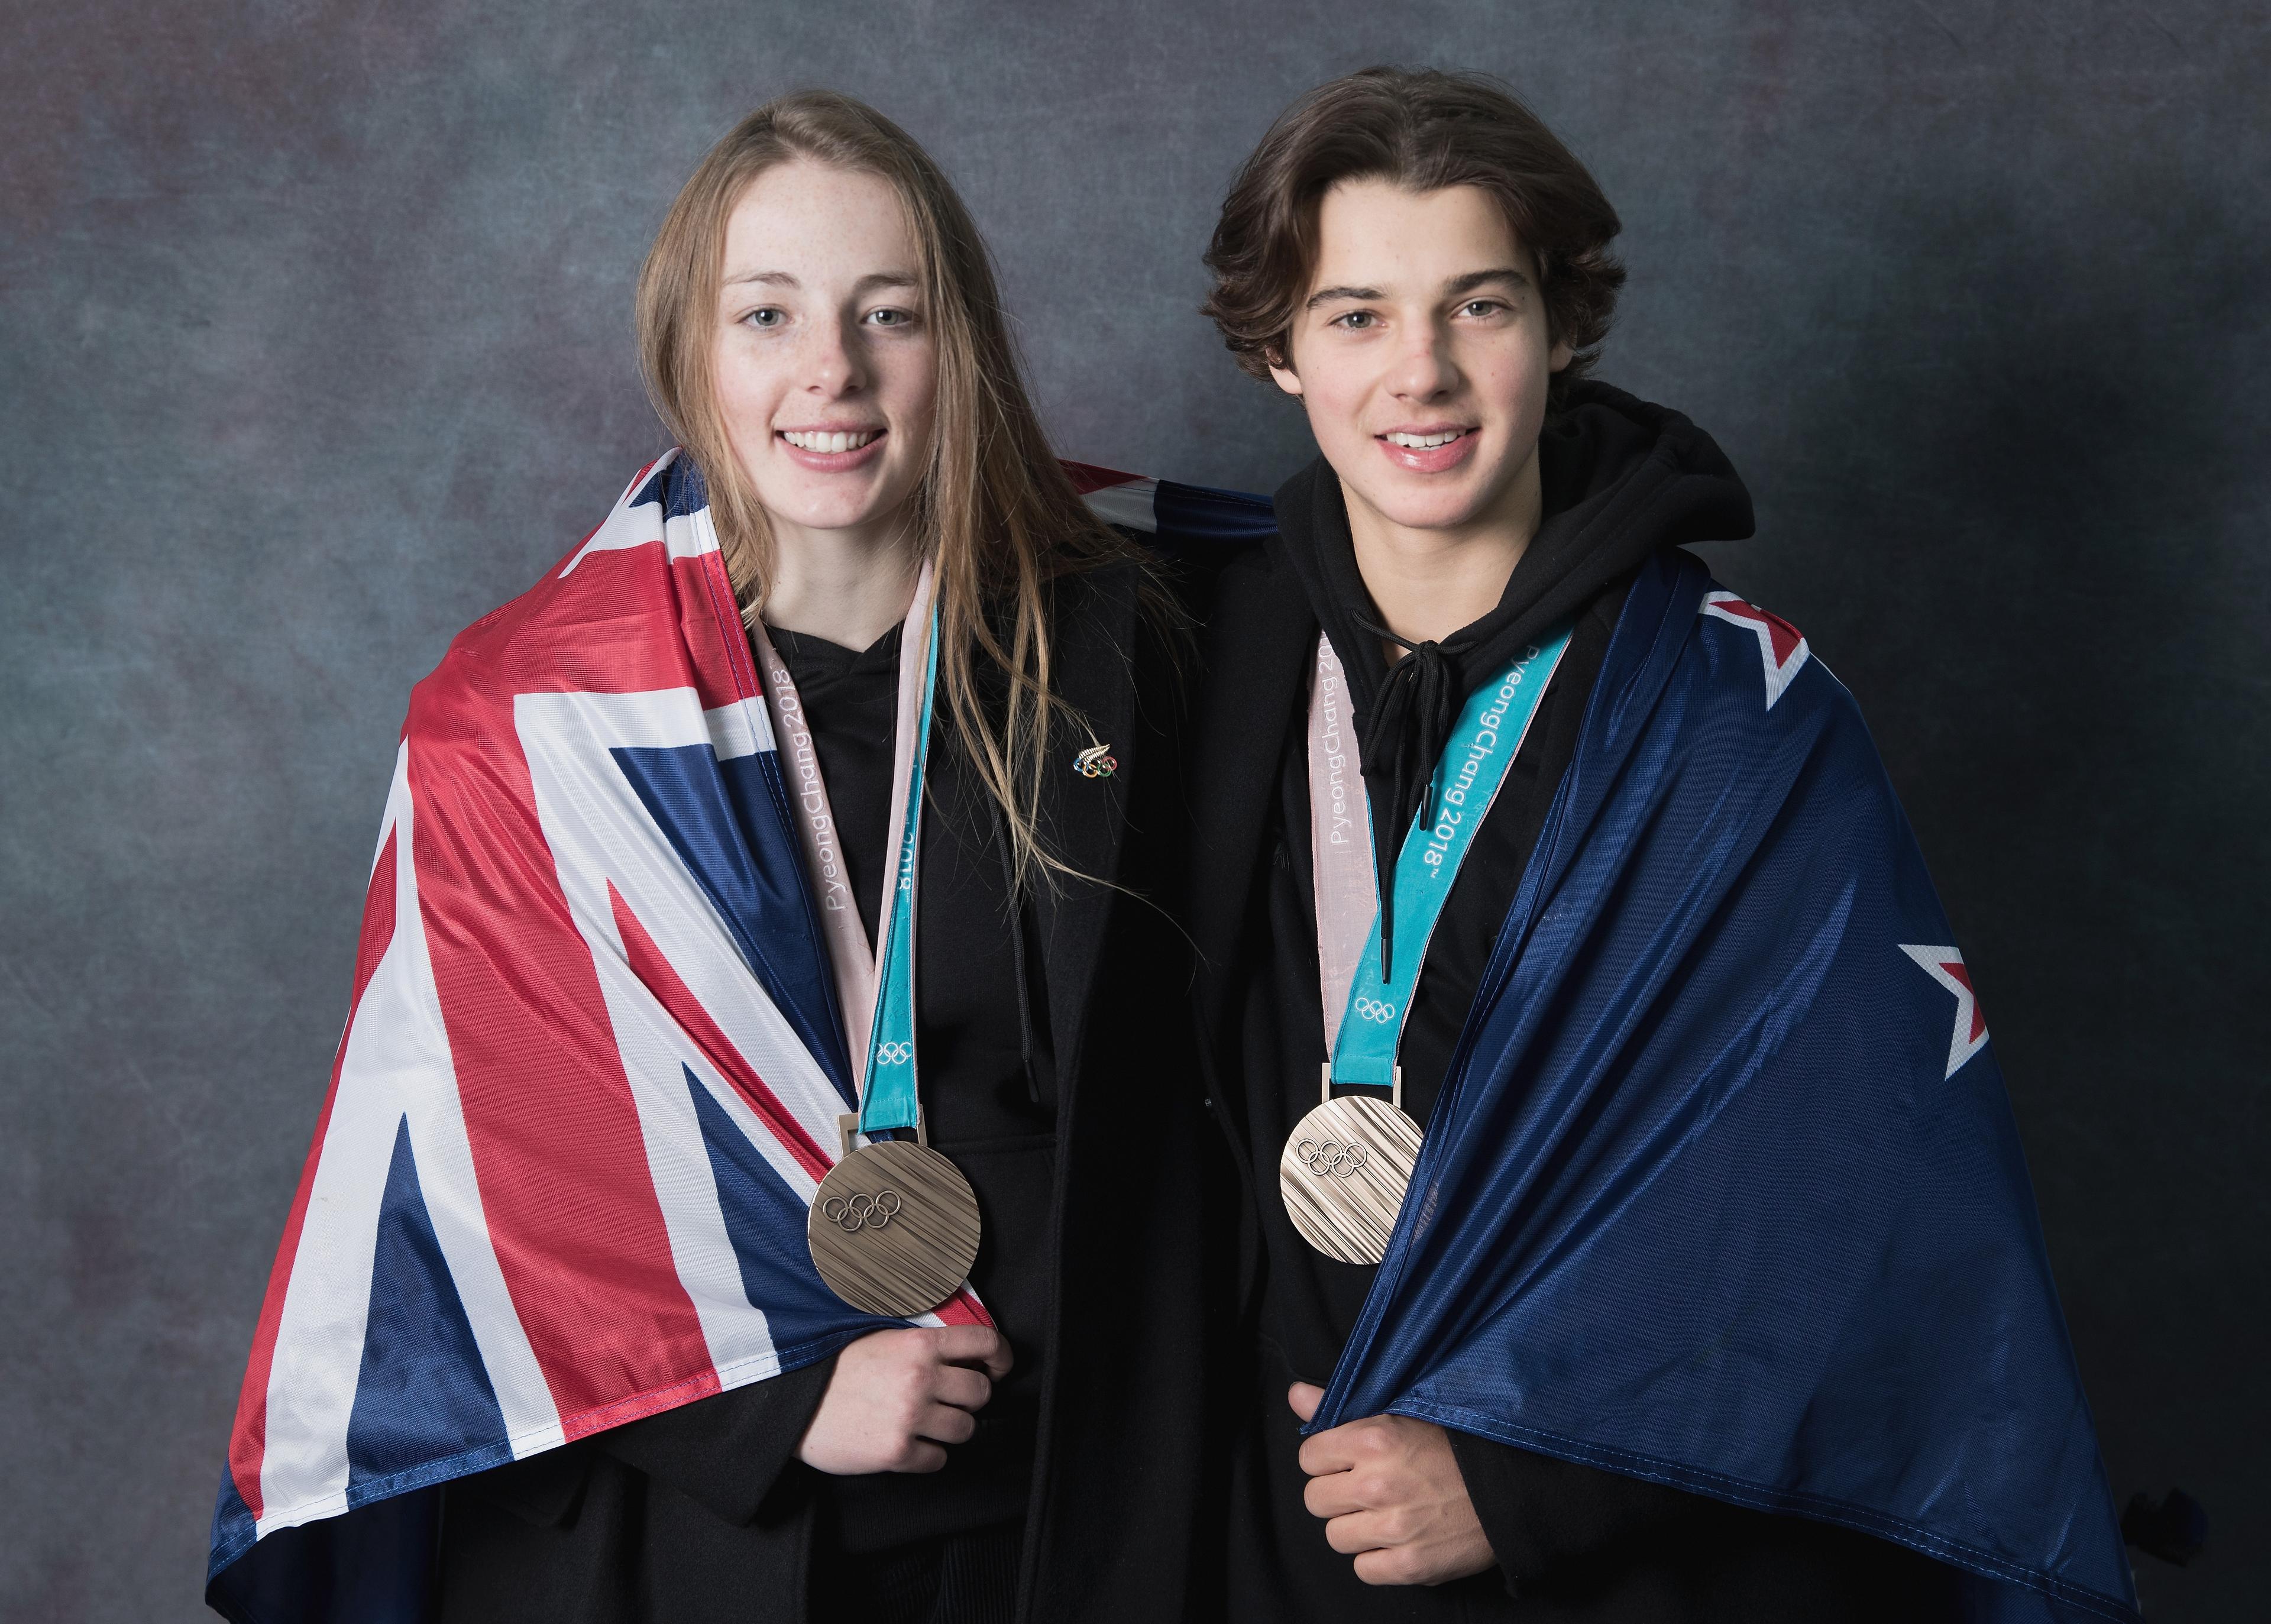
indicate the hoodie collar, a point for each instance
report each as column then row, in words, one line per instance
column 1619, row 478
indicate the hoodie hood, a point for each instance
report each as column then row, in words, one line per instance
column 1619, row 479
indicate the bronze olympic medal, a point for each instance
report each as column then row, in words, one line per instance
column 893, row 1229
column 1344, row 1174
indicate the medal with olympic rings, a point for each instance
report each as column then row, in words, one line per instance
column 1348, row 1163
column 1345, row 1169
column 894, row 1226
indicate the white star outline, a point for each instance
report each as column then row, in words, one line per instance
column 1945, row 965
column 1736, row 610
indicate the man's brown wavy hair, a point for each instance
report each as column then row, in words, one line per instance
column 1423, row 129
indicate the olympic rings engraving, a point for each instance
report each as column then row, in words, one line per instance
column 894, row 1054
column 1330, row 1157
column 854, row 1213
column 1095, row 761
column 1375, row 1010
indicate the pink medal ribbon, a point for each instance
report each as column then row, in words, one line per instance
column 1340, row 837
column 850, row 956
column 1493, row 722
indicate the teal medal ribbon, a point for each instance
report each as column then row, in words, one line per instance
column 893, row 1228
column 889, row 1100
column 1347, row 1164
column 1482, row 746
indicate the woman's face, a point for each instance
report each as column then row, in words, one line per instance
column 825, row 365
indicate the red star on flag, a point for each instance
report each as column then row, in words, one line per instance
column 1945, row 965
column 1780, row 645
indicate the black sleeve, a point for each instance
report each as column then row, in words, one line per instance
column 1607, row 1542
column 1544, row 1515
column 543, row 1490
column 725, row 1452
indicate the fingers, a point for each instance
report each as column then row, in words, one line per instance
column 1389, row 1491
column 1360, row 1531
column 921, row 1456
column 945, row 1423
column 894, row 1402
column 1342, row 1447
column 963, row 1388
column 1335, row 1493
column 1305, row 1399
column 1399, row 1564
column 973, row 1345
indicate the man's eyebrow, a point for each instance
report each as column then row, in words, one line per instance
column 1453, row 289
column 1326, row 296
column 1473, row 279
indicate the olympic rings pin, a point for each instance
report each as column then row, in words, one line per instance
column 1096, row 762
column 854, row 1213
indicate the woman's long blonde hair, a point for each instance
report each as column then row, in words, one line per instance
column 997, row 512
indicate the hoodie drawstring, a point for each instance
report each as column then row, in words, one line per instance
column 1417, row 706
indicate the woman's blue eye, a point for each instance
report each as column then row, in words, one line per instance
column 890, row 318
column 766, row 317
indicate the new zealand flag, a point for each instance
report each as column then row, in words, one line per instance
column 1723, row 1190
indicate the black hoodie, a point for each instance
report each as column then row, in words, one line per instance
column 1619, row 479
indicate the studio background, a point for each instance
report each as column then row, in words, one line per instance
column 315, row 344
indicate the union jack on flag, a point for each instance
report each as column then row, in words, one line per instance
column 593, row 1064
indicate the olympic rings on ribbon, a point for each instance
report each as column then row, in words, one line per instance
column 894, row 1054
column 1375, row 1010
column 854, row 1213
column 1324, row 1157
column 1095, row 761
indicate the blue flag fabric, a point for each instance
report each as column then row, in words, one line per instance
column 1723, row 1190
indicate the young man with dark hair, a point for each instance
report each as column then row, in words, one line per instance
column 1539, row 877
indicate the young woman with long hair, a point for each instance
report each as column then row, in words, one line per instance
column 808, row 1228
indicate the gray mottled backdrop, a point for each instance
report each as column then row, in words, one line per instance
column 315, row 344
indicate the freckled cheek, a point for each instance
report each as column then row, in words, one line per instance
column 746, row 398
column 911, row 396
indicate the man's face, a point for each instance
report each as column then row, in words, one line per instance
column 1422, row 357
